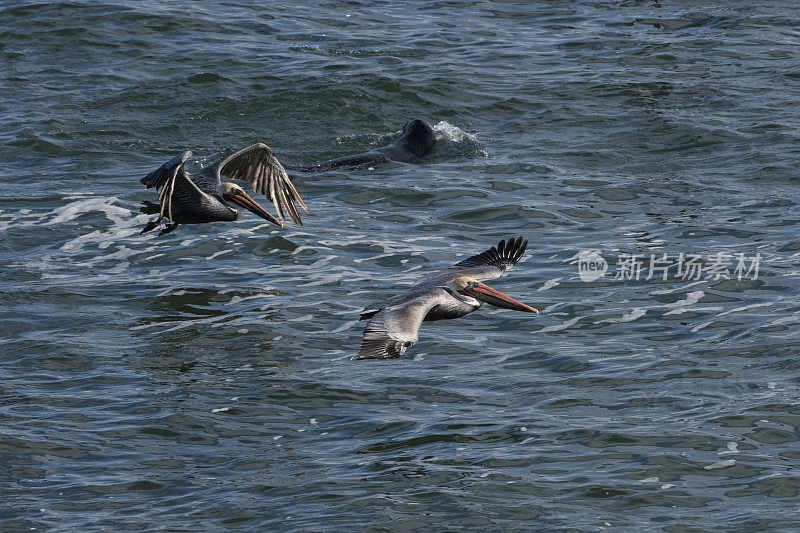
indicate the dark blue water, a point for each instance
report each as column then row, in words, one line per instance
column 202, row 380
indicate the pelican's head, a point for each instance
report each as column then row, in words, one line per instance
column 472, row 288
column 230, row 192
column 462, row 282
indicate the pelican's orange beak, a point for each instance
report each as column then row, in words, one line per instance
column 484, row 293
column 242, row 199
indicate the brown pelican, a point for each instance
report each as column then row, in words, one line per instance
column 450, row 293
column 205, row 198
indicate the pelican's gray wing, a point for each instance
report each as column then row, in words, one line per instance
column 394, row 328
column 258, row 165
column 485, row 265
column 164, row 178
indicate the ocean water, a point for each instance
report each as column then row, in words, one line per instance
column 202, row 380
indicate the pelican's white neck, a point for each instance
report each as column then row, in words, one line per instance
column 461, row 297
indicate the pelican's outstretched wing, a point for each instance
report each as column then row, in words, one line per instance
column 393, row 329
column 164, row 178
column 258, row 165
column 485, row 265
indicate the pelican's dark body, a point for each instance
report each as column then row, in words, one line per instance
column 188, row 207
column 213, row 210
column 203, row 198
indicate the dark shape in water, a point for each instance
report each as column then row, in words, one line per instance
column 415, row 142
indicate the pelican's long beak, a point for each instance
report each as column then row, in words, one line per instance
column 243, row 200
column 484, row 293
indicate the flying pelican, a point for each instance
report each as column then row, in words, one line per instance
column 205, row 198
column 451, row 293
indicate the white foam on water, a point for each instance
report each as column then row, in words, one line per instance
column 549, row 284
column 445, row 130
column 180, row 324
column 123, row 224
column 346, row 326
column 732, row 447
column 327, row 280
column 676, row 289
column 691, row 299
column 682, row 306
column 794, row 317
column 563, row 325
column 675, row 308
column 550, row 307
column 746, row 307
column 239, row 299
column 380, row 256
column 217, row 254
column 168, row 291
column 319, row 263
column 22, row 218
column 683, row 310
column 720, row 464
column 303, row 248
column 116, row 236
column 627, row 317
column 78, row 208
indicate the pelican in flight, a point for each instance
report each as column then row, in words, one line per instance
column 451, row 293
column 204, row 197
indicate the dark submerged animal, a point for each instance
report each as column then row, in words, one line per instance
column 415, row 142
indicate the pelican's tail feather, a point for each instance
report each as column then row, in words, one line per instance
column 149, row 208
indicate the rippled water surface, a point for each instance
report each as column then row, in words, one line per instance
column 202, row 380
